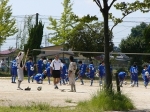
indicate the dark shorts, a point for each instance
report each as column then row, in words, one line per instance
column 56, row 73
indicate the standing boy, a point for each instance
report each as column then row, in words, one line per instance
column 91, row 72
column 81, row 72
column 13, row 71
column 63, row 72
column 30, row 69
column 71, row 74
column 48, row 69
column 145, row 75
column 101, row 70
column 40, row 65
column 56, row 66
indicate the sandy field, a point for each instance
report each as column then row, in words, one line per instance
column 9, row 95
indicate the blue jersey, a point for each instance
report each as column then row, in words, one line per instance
column 38, row 77
column 82, row 69
column 63, row 71
column 14, row 64
column 134, row 70
column 101, row 69
column 91, row 69
column 144, row 76
column 29, row 66
column 40, row 66
column 48, row 69
column 122, row 74
column 14, row 68
column 149, row 68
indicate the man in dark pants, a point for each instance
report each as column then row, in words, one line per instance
column 56, row 66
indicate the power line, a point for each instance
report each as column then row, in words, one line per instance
column 89, row 52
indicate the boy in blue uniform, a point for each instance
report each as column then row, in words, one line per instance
column 81, row 72
column 101, row 70
column 48, row 69
column 30, row 69
column 63, row 73
column 145, row 75
column 121, row 76
column 91, row 72
column 14, row 70
column 40, row 65
column 134, row 75
column 40, row 77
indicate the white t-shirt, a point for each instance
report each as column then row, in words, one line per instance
column 56, row 64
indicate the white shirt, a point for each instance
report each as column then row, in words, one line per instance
column 56, row 64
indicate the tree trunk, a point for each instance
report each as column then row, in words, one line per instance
column 108, row 82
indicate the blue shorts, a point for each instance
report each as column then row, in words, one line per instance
column 30, row 73
column 81, row 74
column 14, row 72
column 63, row 76
column 91, row 76
column 134, row 77
column 48, row 74
column 121, row 78
column 101, row 75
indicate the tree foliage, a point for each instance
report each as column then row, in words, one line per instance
column 61, row 28
column 35, row 39
column 135, row 43
column 7, row 23
column 147, row 38
column 88, row 37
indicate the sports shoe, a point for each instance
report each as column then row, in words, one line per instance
column 27, row 89
column 56, row 87
column 82, row 84
column 19, row 88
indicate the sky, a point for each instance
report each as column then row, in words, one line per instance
column 54, row 8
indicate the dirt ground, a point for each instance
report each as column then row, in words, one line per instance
column 9, row 95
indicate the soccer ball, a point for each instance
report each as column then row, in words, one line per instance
column 44, row 61
column 147, row 74
column 32, row 68
column 39, row 88
column 97, row 75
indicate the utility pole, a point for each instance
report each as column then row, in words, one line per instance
column 37, row 18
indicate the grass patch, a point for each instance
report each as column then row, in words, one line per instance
column 101, row 101
column 41, row 107
column 106, row 101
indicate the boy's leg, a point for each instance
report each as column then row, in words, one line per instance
column 48, row 79
column 91, row 81
column 82, row 83
column 28, row 78
column 14, row 79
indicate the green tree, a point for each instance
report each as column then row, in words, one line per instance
column 147, row 38
column 35, row 39
column 61, row 28
column 7, row 23
column 135, row 43
column 88, row 37
column 126, row 9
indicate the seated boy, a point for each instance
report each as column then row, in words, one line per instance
column 40, row 77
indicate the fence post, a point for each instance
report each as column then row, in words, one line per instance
column 117, row 82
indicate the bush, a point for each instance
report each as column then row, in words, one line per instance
column 107, row 101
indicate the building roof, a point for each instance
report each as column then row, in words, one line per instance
column 5, row 52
